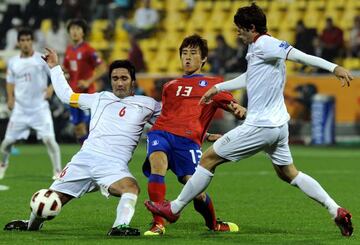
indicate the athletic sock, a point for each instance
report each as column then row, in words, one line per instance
column 195, row 185
column 125, row 209
column 35, row 223
column 206, row 209
column 53, row 150
column 157, row 192
column 314, row 190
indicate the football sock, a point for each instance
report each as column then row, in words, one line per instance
column 35, row 223
column 206, row 209
column 54, row 153
column 195, row 185
column 314, row 190
column 5, row 150
column 157, row 191
column 125, row 209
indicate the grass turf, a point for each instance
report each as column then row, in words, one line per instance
column 248, row 193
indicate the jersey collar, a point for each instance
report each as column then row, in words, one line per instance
column 193, row 75
column 259, row 35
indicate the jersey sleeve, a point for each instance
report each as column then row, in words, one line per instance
column 10, row 76
column 272, row 49
column 223, row 99
column 156, row 113
column 94, row 58
column 83, row 100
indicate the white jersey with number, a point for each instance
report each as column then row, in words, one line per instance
column 265, row 82
column 30, row 77
column 117, row 124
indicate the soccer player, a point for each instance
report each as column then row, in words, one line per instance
column 27, row 94
column 175, row 139
column 84, row 67
column 118, row 119
column 266, row 124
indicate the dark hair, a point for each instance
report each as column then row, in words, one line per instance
column 123, row 64
column 195, row 41
column 25, row 32
column 78, row 22
column 251, row 15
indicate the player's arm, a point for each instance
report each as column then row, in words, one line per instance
column 233, row 84
column 226, row 101
column 100, row 70
column 212, row 137
column 49, row 91
column 340, row 72
column 61, row 86
column 10, row 87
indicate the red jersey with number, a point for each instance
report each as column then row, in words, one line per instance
column 181, row 113
column 80, row 62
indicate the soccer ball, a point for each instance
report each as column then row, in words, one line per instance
column 45, row 204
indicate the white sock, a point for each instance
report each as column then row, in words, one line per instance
column 5, row 149
column 35, row 223
column 53, row 150
column 195, row 185
column 314, row 190
column 125, row 209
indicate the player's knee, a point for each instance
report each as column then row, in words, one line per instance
column 210, row 160
column 127, row 185
column 158, row 163
column 286, row 173
column 201, row 196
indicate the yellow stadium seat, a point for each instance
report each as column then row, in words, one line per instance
column 316, row 5
column 352, row 63
column 274, row 19
column 222, row 6
column 286, row 36
column 45, row 25
column 336, row 4
column 203, row 6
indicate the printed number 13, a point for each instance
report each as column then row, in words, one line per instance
column 183, row 92
column 194, row 154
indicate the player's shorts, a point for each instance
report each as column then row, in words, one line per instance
column 21, row 122
column 183, row 154
column 246, row 140
column 78, row 116
column 89, row 171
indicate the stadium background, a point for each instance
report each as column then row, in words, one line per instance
column 267, row 210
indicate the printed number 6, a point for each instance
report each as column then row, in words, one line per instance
column 122, row 112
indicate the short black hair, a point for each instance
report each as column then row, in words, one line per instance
column 25, row 31
column 123, row 64
column 194, row 41
column 251, row 15
column 78, row 22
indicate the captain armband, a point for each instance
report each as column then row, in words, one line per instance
column 74, row 100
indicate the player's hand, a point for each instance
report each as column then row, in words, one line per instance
column 10, row 103
column 238, row 111
column 49, row 92
column 206, row 98
column 83, row 84
column 213, row 137
column 343, row 75
column 50, row 57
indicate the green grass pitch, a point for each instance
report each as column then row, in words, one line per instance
column 248, row 193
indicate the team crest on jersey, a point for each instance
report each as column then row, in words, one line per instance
column 203, row 83
column 284, row 45
column 154, row 142
column 79, row 56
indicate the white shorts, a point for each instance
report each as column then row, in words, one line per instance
column 245, row 141
column 89, row 171
column 21, row 122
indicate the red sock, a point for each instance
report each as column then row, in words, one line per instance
column 206, row 209
column 157, row 191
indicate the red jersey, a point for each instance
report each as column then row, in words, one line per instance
column 181, row 113
column 80, row 62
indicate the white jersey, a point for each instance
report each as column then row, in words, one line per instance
column 266, row 81
column 30, row 77
column 116, row 124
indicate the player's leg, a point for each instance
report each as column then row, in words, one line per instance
column 127, row 189
column 5, row 150
column 53, row 150
column 78, row 118
column 283, row 164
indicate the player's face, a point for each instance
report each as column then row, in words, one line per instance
column 245, row 35
column 121, row 82
column 76, row 33
column 25, row 44
column 191, row 60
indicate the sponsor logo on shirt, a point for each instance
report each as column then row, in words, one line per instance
column 203, row 83
column 284, row 45
column 154, row 142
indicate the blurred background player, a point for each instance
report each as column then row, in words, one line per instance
column 174, row 141
column 266, row 125
column 102, row 162
column 27, row 94
column 84, row 68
